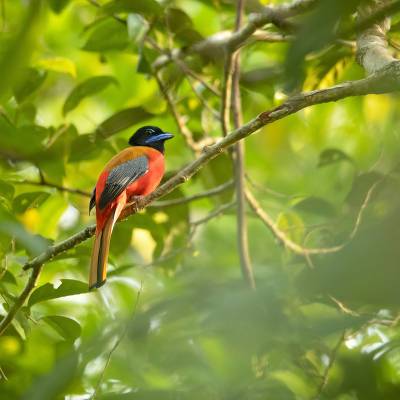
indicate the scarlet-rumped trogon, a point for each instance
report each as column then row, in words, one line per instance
column 135, row 171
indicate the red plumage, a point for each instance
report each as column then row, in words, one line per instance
column 135, row 171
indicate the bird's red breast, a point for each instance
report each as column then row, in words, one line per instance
column 142, row 186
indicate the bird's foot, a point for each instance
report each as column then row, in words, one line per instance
column 134, row 203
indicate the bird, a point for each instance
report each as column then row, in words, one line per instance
column 135, row 171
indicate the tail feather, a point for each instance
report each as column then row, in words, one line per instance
column 98, row 264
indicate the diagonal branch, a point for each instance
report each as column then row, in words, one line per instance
column 385, row 81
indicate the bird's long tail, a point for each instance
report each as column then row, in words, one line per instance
column 98, row 264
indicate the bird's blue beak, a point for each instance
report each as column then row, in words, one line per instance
column 158, row 138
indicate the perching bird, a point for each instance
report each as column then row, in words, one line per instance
column 135, row 171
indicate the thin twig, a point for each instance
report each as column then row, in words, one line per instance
column 117, row 343
column 3, row 375
column 215, row 213
column 332, row 359
column 185, row 131
column 297, row 248
column 198, row 78
column 201, row 98
column 20, row 300
column 198, row 196
column 53, row 185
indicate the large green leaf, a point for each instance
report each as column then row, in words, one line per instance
column 29, row 200
column 68, row 287
column 148, row 7
column 87, row 88
column 32, row 80
column 68, row 328
column 122, row 120
column 108, row 35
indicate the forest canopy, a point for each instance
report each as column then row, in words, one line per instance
column 266, row 265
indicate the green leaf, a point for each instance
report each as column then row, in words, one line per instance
column 108, row 35
column 292, row 225
column 332, row 156
column 148, row 7
column 32, row 243
column 6, row 190
column 181, row 25
column 52, row 384
column 19, row 50
column 32, row 80
column 177, row 20
column 122, row 120
column 29, row 200
column 58, row 5
column 7, row 277
column 137, row 27
column 58, row 64
column 144, row 63
column 68, row 287
column 68, row 328
column 314, row 205
column 87, row 88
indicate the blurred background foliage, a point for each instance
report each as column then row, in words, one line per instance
column 175, row 319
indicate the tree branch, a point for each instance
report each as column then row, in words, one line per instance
column 372, row 46
column 20, row 300
column 198, row 196
column 233, row 41
column 385, row 81
column 297, row 248
column 53, row 185
column 239, row 164
column 332, row 359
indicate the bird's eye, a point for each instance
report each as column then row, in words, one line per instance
column 149, row 130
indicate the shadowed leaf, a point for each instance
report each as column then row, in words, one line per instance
column 68, row 287
column 87, row 88
column 68, row 328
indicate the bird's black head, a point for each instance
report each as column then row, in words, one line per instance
column 150, row 136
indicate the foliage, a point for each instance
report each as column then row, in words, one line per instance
column 78, row 78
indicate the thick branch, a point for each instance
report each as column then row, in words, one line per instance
column 387, row 80
column 372, row 45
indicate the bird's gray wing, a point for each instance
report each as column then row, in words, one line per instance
column 122, row 176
